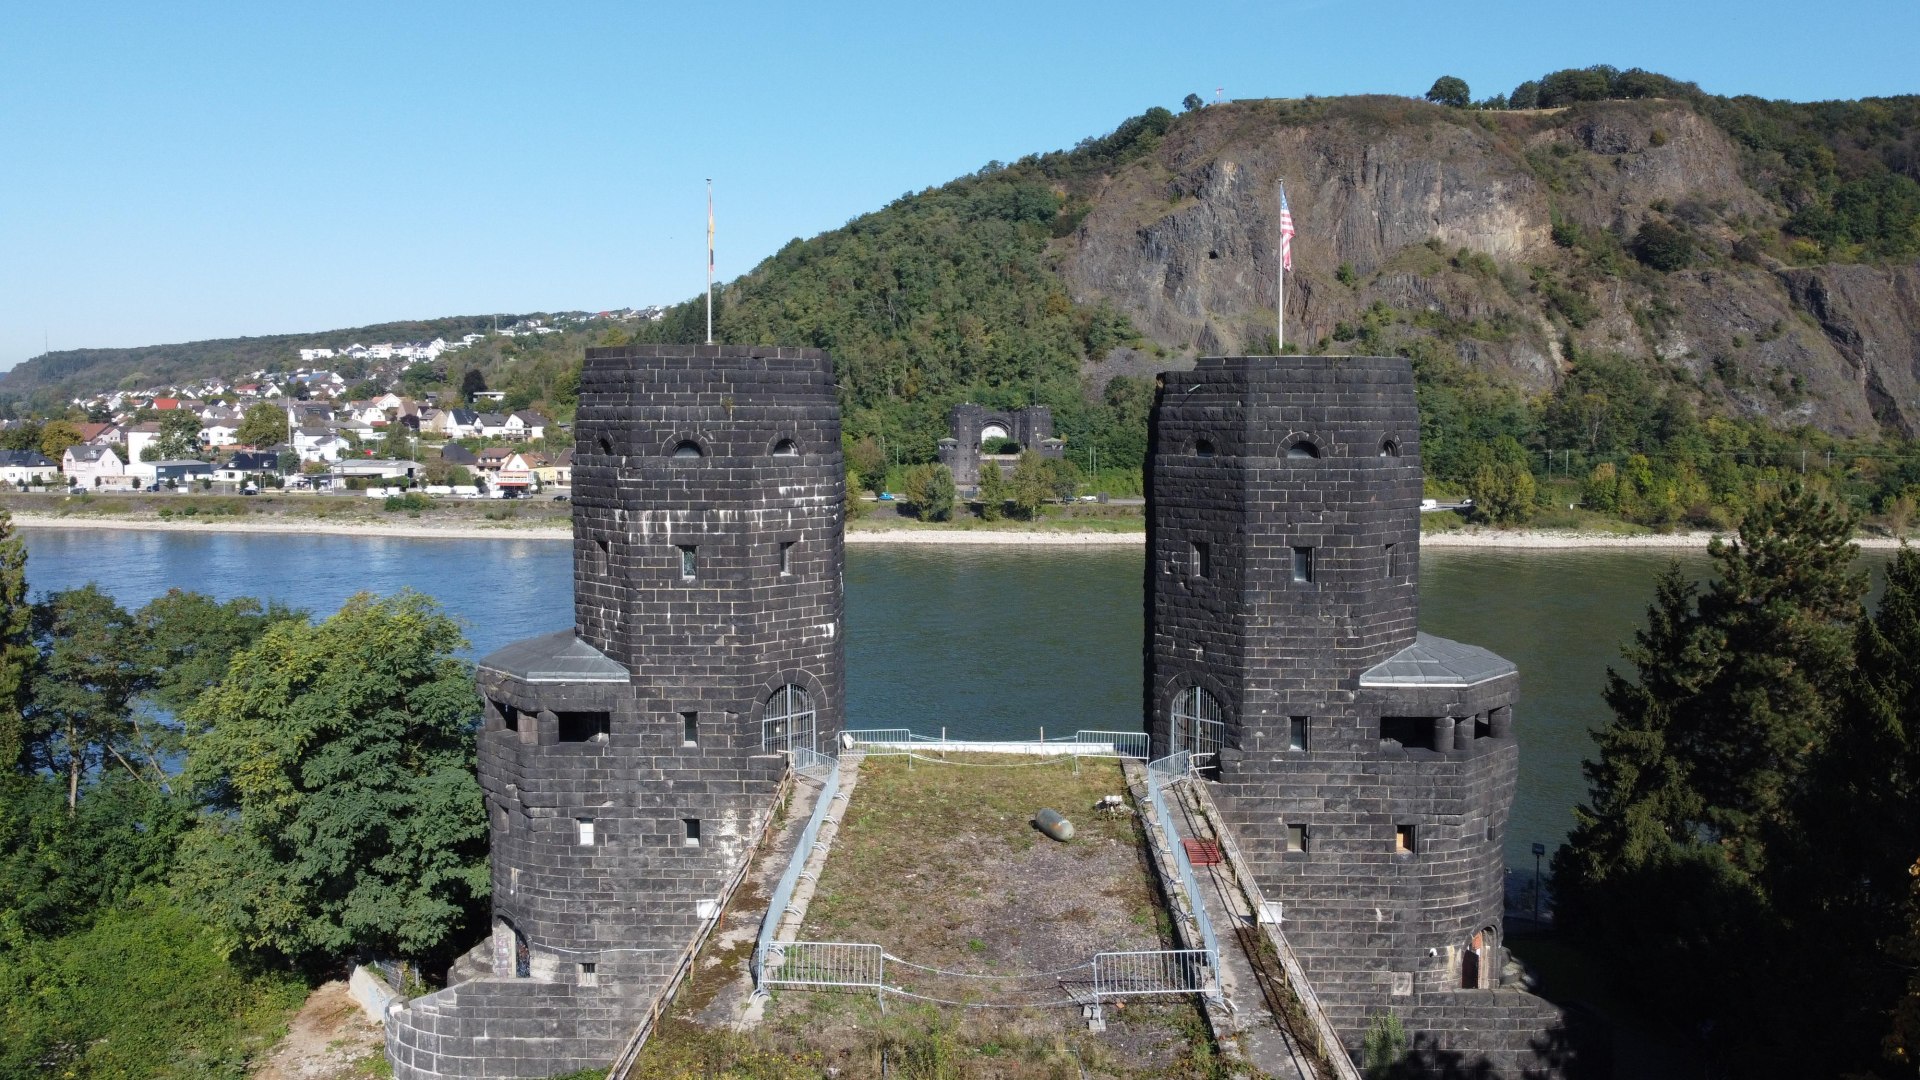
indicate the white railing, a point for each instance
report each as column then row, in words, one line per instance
column 1164, row 771
column 783, row 892
column 843, row 964
column 1164, row 971
column 880, row 742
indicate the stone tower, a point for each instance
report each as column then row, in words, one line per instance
column 629, row 762
column 1366, row 768
column 971, row 425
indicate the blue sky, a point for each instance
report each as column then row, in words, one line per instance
column 182, row 171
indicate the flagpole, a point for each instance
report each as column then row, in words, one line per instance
column 709, row 260
column 1280, row 282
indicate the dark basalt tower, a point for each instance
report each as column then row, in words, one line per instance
column 627, row 762
column 1367, row 769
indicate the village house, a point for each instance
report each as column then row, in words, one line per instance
column 489, row 425
column 248, row 465
column 318, row 444
column 139, row 437
column 555, row 469
column 180, row 471
column 106, row 434
column 92, row 466
column 374, row 469
column 23, row 467
column 525, row 425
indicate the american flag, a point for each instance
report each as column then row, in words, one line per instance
column 1286, row 231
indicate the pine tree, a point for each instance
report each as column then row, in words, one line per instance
column 16, row 645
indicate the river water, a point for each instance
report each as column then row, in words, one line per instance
column 986, row 642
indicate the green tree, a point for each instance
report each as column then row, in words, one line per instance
column 1384, row 1048
column 1032, row 485
column 338, row 760
column 471, row 383
column 1662, row 247
column 190, row 639
column 868, row 460
column 264, row 425
column 56, row 437
column 1450, row 91
column 395, row 443
column 179, row 437
column 1192, row 103
column 1502, row 487
column 993, row 491
column 930, row 489
column 23, row 436
column 17, row 653
column 91, row 665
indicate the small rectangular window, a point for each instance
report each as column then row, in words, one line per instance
column 689, row 729
column 1404, row 840
column 1296, row 838
column 583, row 726
column 693, row 831
column 1200, row 560
column 1296, row 733
column 786, row 557
column 603, row 560
column 1303, row 564
column 513, row 880
column 589, row 974
column 586, row 831
column 689, row 561
column 1392, row 570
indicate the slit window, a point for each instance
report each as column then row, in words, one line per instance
column 1200, row 560
column 692, row 838
column 689, row 729
column 513, row 880
column 578, row 727
column 589, row 974
column 1296, row 838
column 606, row 446
column 786, row 557
column 585, row 826
column 1296, row 733
column 1405, row 842
column 689, row 561
column 1392, row 569
column 603, row 556
column 1303, row 564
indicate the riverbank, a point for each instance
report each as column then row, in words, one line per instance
column 1521, row 539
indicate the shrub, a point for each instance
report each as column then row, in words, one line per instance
column 1662, row 247
column 412, row 501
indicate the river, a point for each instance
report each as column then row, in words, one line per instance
column 983, row 641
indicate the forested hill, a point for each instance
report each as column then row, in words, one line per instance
column 1632, row 266
column 57, row 376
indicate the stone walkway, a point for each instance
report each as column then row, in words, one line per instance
column 1264, row 1043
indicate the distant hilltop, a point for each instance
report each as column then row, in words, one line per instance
column 50, row 380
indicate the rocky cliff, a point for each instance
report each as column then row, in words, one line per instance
column 1505, row 236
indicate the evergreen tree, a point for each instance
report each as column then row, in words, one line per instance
column 17, row 653
column 92, row 664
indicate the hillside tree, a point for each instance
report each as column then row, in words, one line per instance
column 17, row 654
column 1192, row 103
column 337, row 762
column 1451, row 91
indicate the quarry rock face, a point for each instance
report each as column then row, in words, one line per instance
column 1183, row 241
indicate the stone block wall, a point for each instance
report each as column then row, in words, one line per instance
column 1282, row 582
column 1031, row 427
column 628, row 764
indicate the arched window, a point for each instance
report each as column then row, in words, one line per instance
column 1302, row 448
column 688, row 449
column 1390, row 447
column 788, row 720
column 785, row 448
column 1202, row 448
column 606, row 446
column 1197, row 725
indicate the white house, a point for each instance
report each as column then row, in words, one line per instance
column 88, row 466
column 491, row 425
column 526, row 425
column 23, row 467
column 308, row 356
column 318, row 444
column 139, row 437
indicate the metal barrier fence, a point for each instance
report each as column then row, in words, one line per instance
column 1167, row 769
column 844, row 964
column 783, row 892
column 1166, row 971
column 880, row 742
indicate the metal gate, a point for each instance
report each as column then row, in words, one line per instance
column 1197, row 725
column 824, row 963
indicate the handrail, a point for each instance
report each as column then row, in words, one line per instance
column 803, row 849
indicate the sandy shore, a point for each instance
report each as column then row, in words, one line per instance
column 1518, row 539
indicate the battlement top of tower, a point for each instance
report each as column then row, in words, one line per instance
column 624, row 375
column 1293, row 368
column 710, row 355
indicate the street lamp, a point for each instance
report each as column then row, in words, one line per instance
column 1538, row 851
